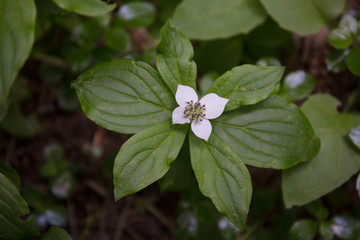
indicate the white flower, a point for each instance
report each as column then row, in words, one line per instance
column 196, row 112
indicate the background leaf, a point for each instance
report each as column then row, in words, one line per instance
column 124, row 96
column 211, row 19
column 12, row 206
column 353, row 60
column 337, row 160
column 303, row 17
column 222, row 177
column 17, row 26
column 146, row 157
column 219, row 55
column 173, row 58
column 246, row 84
column 297, row 85
column 88, row 8
column 270, row 134
column 56, row 233
column 340, row 38
column 137, row 14
column 303, row 230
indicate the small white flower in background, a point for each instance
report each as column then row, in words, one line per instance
column 196, row 112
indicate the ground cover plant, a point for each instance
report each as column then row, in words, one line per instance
column 184, row 119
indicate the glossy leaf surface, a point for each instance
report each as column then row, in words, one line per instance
column 222, row 177
column 270, row 134
column 173, row 58
column 124, row 96
column 146, row 157
column 246, row 84
column 211, row 19
column 337, row 160
column 88, row 8
column 17, row 26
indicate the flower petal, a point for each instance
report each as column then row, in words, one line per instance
column 178, row 116
column 202, row 129
column 184, row 94
column 214, row 105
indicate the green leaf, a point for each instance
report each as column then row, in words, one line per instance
column 355, row 135
column 124, row 96
column 246, row 84
column 326, row 230
column 298, row 85
column 303, row 17
column 219, row 55
column 353, row 60
column 56, row 233
column 335, row 61
column 11, row 174
column 222, row 177
column 337, row 160
column 180, row 175
column 173, row 58
column 14, row 121
column 206, row 81
column 137, row 14
column 17, row 26
column 12, row 206
column 118, row 38
column 271, row 31
column 303, row 230
column 211, row 19
column 146, row 157
column 340, row 38
column 349, row 23
column 270, row 134
column 88, row 8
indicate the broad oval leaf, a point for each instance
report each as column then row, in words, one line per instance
column 303, row 17
column 222, row 177
column 337, row 160
column 13, row 206
column 124, row 96
column 247, row 84
column 17, row 26
column 211, row 19
column 173, row 58
column 88, row 8
column 271, row 134
column 146, row 157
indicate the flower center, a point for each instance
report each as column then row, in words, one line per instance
column 194, row 111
